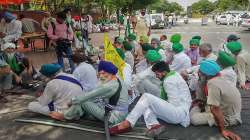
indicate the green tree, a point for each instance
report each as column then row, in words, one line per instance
column 203, row 7
column 165, row 6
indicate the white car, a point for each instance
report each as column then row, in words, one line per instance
column 246, row 20
column 157, row 20
column 222, row 19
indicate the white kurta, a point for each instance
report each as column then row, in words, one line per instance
column 13, row 31
column 86, row 75
column 146, row 81
column 127, row 72
column 230, row 75
column 180, row 62
column 163, row 55
column 175, row 110
column 243, row 66
column 60, row 92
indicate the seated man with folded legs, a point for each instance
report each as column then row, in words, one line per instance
column 172, row 107
column 242, row 66
column 58, row 92
column 5, row 79
column 146, row 81
column 111, row 94
column 20, row 65
column 223, row 106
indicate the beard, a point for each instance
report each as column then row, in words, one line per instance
column 10, row 55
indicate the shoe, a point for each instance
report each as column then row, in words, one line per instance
column 115, row 130
column 155, row 131
column 3, row 99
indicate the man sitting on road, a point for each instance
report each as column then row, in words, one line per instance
column 180, row 60
column 242, row 64
column 146, row 81
column 193, row 52
column 5, row 79
column 223, row 105
column 172, row 106
column 20, row 65
column 226, row 61
column 85, row 73
column 58, row 92
column 111, row 94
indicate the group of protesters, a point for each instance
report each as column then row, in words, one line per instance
column 177, row 85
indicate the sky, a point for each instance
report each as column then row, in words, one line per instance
column 186, row 3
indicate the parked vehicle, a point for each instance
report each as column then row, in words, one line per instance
column 186, row 20
column 222, row 19
column 157, row 21
column 245, row 21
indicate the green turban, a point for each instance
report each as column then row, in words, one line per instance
column 234, row 46
column 153, row 56
column 176, row 38
column 127, row 46
column 177, row 47
column 146, row 47
column 132, row 36
column 197, row 37
column 144, row 39
column 225, row 59
column 194, row 42
column 121, row 53
column 119, row 40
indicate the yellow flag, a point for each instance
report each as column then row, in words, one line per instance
column 111, row 55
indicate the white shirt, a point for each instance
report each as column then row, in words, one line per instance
column 229, row 74
column 129, row 58
column 13, row 31
column 86, row 75
column 60, row 92
column 163, row 55
column 166, row 44
column 127, row 73
column 180, row 62
column 141, row 66
column 177, row 91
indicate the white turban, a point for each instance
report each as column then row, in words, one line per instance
column 9, row 45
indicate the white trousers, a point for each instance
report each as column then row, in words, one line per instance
column 152, row 107
column 38, row 108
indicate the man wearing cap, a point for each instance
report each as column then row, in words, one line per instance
column 58, row 92
column 146, row 81
column 242, row 66
column 141, row 64
column 193, row 52
column 118, row 42
column 230, row 38
column 223, row 105
column 13, row 29
column 180, row 60
column 156, row 44
column 226, row 61
column 85, row 73
column 172, row 106
column 110, row 94
column 20, row 65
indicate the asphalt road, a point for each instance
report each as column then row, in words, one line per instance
column 211, row 33
column 9, row 130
